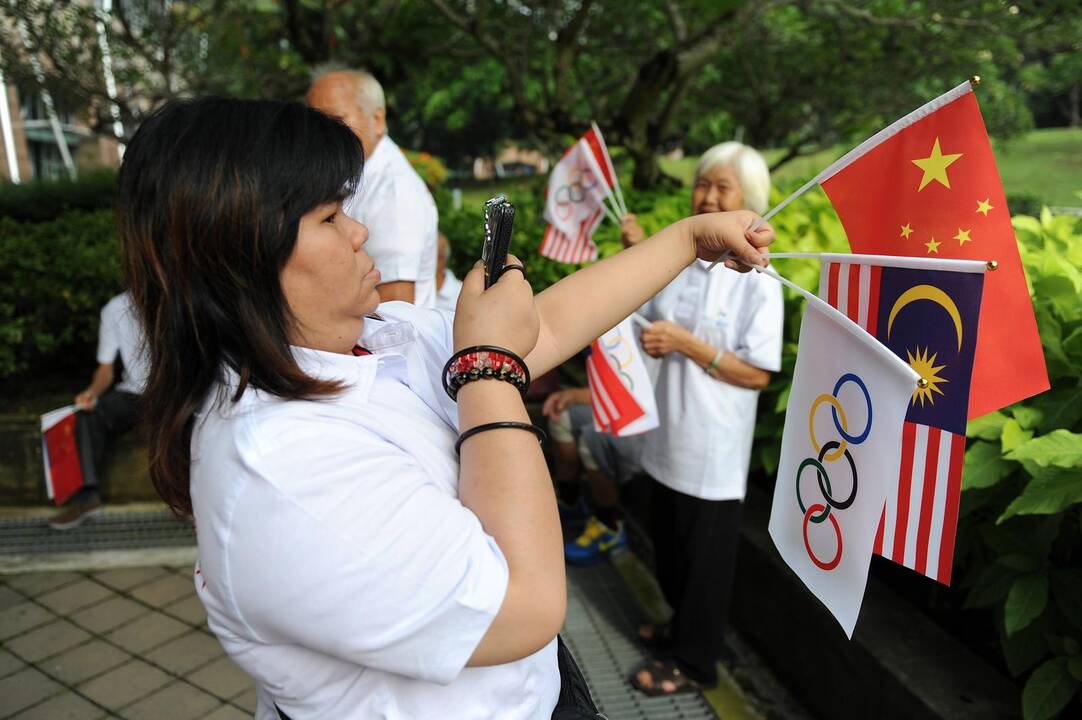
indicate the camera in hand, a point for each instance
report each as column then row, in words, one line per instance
column 499, row 218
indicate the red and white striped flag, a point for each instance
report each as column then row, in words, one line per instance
column 926, row 311
column 575, row 200
column 621, row 395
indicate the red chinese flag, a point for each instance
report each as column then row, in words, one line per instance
column 931, row 189
column 64, row 473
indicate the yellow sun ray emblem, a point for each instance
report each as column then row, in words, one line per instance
column 925, row 367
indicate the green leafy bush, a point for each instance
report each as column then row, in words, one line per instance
column 1022, row 500
column 54, row 278
column 45, row 200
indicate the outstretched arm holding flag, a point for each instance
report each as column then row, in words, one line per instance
column 585, row 304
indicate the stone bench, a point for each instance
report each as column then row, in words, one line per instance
column 22, row 478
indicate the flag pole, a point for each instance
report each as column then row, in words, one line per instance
column 860, row 150
column 839, row 317
column 621, row 205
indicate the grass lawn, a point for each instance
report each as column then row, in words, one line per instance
column 1044, row 163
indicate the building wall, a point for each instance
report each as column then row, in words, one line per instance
column 93, row 152
column 22, row 152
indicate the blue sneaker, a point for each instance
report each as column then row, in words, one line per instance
column 595, row 542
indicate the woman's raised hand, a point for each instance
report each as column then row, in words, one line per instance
column 504, row 315
column 717, row 233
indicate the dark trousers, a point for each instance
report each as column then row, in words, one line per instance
column 695, row 544
column 114, row 415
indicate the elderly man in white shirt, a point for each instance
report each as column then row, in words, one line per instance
column 719, row 335
column 393, row 201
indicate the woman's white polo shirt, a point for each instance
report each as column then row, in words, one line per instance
column 336, row 563
column 703, row 446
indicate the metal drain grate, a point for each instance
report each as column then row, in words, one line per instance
column 600, row 630
column 109, row 531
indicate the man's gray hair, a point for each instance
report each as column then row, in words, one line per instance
column 368, row 90
column 751, row 171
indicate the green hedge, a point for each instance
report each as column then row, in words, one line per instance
column 54, row 278
column 46, row 200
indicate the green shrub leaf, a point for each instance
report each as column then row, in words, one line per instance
column 987, row 427
column 1028, row 417
column 1061, row 448
column 1026, row 600
column 984, row 466
column 1048, row 690
column 1053, row 491
column 1014, row 436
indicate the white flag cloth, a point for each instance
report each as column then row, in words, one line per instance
column 621, row 394
column 575, row 200
column 839, row 456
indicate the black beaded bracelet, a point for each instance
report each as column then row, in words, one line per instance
column 484, row 362
column 502, row 425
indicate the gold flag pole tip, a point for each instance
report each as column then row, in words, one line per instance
column 922, row 383
column 975, row 80
column 992, row 265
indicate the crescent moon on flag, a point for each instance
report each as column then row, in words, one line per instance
column 927, row 292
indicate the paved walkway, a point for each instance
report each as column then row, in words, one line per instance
column 132, row 642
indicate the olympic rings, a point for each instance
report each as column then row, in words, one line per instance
column 850, row 377
column 833, row 562
column 837, row 409
column 830, row 452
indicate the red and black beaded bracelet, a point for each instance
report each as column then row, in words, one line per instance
column 484, row 362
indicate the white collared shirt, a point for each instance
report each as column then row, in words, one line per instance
column 703, row 446
column 336, row 563
column 121, row 333
column 394, row 203
column 447, row 296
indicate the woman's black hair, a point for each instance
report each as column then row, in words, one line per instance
column 211, row 195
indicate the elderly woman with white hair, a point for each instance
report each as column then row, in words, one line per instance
column 719, row 335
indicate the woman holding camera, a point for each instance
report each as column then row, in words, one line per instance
column 350, row 559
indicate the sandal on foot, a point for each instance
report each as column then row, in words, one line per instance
column 656, row 678
column 655, row 634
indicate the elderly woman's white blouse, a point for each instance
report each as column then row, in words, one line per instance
column 336, row 563
column 703, row 446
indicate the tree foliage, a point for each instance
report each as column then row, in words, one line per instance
column 464, row 76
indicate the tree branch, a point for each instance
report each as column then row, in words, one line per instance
column 566, row 40
column 676, row 20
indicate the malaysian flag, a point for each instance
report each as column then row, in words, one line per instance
column 575, row 199
column 621, row 395
column 926, row 311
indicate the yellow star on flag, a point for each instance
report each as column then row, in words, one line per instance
column 933, row 246
column 983, row 206
column 963, row 236
column 906, row 231
column 935, row 166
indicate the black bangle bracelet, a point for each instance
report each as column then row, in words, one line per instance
column 503, row 424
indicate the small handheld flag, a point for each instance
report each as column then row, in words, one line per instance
column 575, row 200
column 839, row 456
column 927, row 312
column 621, row 395
column 60, row 454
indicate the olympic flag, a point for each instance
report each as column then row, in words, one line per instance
column 575, row 199
column 839, row 456
column 621, row 394
column 927, row 311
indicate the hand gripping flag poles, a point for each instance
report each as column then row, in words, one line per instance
column 580, row 187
